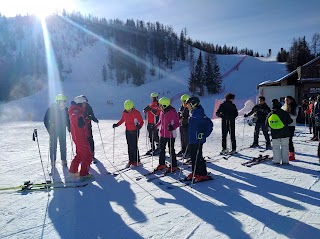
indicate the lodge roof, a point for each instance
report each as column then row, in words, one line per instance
column 278, row 82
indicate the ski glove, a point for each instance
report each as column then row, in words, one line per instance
column 170, row 128
column 115, row 125
column 245, row 115
column 81, row 122
column 138, row 126
column 200, row 136
column 147, row 109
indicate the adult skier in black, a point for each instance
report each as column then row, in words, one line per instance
column 90, row 115
column 261, row 111
column 228, row 112
column 183, row 119
column 56, row 121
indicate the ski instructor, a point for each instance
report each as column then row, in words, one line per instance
column 56, row 120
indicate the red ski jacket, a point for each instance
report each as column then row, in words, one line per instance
column 131, row 119
column 153, row 112
column 79, row 125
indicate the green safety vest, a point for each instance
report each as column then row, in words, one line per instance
column 275, row 122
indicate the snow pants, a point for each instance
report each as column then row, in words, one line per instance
column 132, row 137
column 90, row 139
column 228, row 126
column 197, row 159
column 264, row 131
column 84, row 157
column 54, row 137
column 291, row 147
column 153, row 135
column 184, row 138
column 162, row 156
column 280, row 148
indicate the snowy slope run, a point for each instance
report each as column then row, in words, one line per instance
column 263, row 201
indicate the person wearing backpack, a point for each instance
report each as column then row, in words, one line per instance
column 200, row 127
column 291, row 107
column 278, row 120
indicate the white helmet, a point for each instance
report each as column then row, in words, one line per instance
column 80, row 99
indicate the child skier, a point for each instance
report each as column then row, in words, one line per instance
column 56, row 121
column 133, row 122
column 167, row 124
column 200, row 127
column 183, row 118
column 80, row 133
column 152, row 112
column 278, row 120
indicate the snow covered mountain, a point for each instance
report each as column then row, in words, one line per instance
column 262, row 201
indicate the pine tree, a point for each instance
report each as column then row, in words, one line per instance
column 209, row 76
column 104, row 73
column 192, row 83
column 199, row 75
column 182, row 46
column 216, row 75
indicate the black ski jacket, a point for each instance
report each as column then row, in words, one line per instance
column 286, row 120
column 183, row 116
column 227, row 111
column 261, row 112
column 89, row 113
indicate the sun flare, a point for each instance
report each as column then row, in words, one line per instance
column 41, row 9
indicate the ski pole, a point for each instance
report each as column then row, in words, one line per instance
column 146, row 128
column 244, row 125
column 101, row 140
column 152, row 139
column 114, row 135
column 183, row 157
column 137, row 147
column 195, row 165
column 72, row 156
column 34, row 137
column 305, row 121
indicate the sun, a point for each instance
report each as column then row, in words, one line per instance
column 41, row 9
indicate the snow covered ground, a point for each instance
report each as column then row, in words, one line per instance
column 263, row 201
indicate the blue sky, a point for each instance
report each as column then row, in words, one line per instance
column 256, row 24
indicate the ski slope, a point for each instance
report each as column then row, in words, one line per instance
column 263, row 201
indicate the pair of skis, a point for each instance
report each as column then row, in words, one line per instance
column 184, row 183
column 29, row 186
column 257, row 160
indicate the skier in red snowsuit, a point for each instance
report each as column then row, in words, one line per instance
column 79, row 125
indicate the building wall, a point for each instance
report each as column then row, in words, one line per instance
column 277, row 92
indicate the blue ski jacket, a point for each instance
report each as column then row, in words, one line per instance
column 200, row 126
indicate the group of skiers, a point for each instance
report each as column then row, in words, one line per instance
column 281, row 120
column 162, row 119
column 162, row 123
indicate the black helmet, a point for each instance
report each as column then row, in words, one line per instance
column 193, row 101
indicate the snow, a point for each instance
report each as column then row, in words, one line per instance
column 263, row 201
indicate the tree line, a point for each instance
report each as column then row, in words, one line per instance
column 300, row 52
